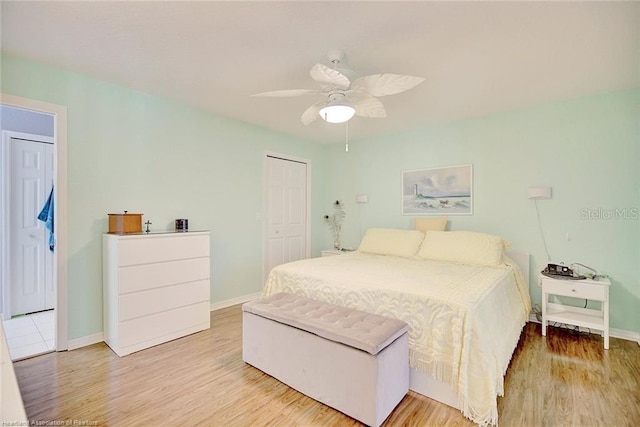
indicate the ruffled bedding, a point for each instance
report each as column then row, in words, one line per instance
column 464, row 321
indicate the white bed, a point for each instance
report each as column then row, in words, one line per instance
column 464, row 319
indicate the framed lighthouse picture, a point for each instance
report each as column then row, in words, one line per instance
column 438, row 191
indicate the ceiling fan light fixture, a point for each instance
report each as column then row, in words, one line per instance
column 344, row 98
column 337, row 113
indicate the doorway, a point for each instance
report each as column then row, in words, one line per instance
column 30, row 185
column 28, row 291
column 55, row 150
column 286, row 210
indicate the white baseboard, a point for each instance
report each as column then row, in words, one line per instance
column 613, row 332
column 85, row 341
column 234, row 301
column 625, row 335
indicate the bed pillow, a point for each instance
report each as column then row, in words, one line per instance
column 463, row 247
column 391, row 241
column 428, row 224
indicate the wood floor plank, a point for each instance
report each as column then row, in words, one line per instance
column 565, row 379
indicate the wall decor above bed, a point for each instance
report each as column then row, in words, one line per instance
column 437, row 191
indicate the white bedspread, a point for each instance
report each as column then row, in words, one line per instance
column 464, row 321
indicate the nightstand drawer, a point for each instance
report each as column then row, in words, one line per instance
column 331, row 252
column 576, row 289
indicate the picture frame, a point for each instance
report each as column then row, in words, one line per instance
column 446, row 190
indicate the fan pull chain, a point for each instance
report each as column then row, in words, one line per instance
column 346, row 137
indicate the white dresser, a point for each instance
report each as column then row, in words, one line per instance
column 156, row 288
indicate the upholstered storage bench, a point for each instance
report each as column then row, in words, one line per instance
column 355, row 362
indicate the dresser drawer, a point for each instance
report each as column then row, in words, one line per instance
column 148, row 329
column 136, row 278
column 144, row 303
column 155, row 249
column 575, row 288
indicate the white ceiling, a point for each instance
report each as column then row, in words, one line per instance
column 477, row 57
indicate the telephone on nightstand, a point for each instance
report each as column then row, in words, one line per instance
column 561, row 271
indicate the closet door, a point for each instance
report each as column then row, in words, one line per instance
column 285, row 212
column 31, row 260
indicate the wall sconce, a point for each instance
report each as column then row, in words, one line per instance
column 539, row 193
column 535, row 194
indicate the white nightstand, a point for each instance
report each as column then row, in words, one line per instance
column 597, row 290
column 331, row 252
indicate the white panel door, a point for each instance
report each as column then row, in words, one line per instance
column 286, row 212
column 31, row 260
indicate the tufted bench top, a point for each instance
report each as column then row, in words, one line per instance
column 358, row 329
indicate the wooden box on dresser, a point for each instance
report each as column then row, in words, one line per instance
column 156, row 288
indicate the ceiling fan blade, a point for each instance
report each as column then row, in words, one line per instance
column 329, row 77
column 289, row 92
column 368, row 106
column 386, row 84
column 312, row 113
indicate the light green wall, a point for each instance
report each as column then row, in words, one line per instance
column 586, row 149
column 129, row 150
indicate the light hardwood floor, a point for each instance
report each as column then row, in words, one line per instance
column 564, row 380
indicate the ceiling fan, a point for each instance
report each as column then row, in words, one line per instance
column 343, row 98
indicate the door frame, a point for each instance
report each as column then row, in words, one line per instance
column 265, row 192
column 60, row 260
column 5, row 193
